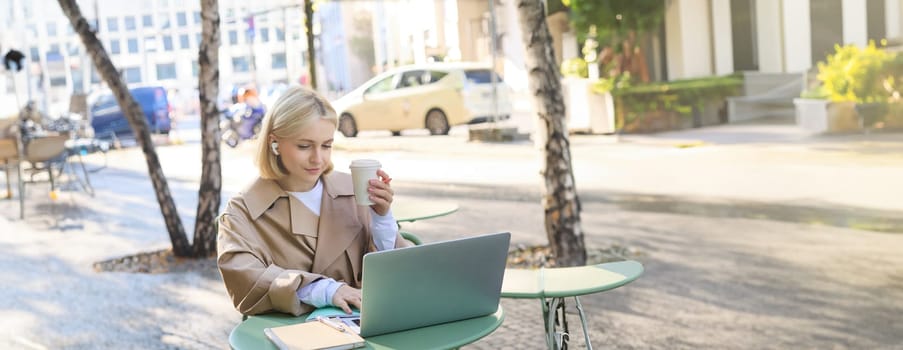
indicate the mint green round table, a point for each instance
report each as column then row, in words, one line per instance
column 249, row 333
column 409, row 210
column 552, row 285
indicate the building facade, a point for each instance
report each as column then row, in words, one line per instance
column 711, row 37
column 152, row 42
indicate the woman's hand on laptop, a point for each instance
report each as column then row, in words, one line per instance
column 381, row 193
column 345, row 297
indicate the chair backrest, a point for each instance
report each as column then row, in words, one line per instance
column 42, row 149
column 8, row 149
column 8, row 127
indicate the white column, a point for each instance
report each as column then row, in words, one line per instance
column 689, row 39
column 768, row 36
column 721, row 35
column 892, row 10
column 673, row 40
column 797, row 36
column 855, row 29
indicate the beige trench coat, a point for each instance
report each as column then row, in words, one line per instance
column 270, row 244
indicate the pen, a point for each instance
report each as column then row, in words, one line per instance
column 329, row 323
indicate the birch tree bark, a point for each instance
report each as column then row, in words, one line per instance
column 559, row 200
column 204, row 242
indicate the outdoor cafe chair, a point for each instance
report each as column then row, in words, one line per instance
column 9, row 158
column 43, row 153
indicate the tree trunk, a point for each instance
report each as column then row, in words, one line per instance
column 562, row 207
column 136, row 120
column 311, row 52
column 204, row 242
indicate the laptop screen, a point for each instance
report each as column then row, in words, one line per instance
column 432, row 283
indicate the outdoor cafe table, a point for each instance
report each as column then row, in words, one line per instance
column 249, row 333
column 409, row 210
column 552, row 285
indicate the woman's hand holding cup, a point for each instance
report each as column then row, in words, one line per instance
column 380, row 192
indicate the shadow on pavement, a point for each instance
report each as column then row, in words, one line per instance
column 814, row 213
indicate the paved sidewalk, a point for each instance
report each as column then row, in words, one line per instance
column 713, row 280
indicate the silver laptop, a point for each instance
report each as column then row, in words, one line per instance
column 433, row 283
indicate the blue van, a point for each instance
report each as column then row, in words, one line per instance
column 107, row 119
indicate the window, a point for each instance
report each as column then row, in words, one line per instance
column 74, row 49
column 150, row 44
column 265, row 34
column 130, row 23
column 183, row 41
column 114, row 47
column 240, row 64
column 58, row 81
column 167, row 43
column 181, row 19
column 437, row 75
column 382, row 85
column 147, row 21
column 77, row 80
column 35, row 54
column 280, row 35
column 133, row 45
column 166, row 71
column 414, row 78
column 233, row 37
column 195, row 68
column 278, row 60
column 197, row 17
column 197, row 39
column 112, row 24
column 51, row 29
column 480, row 76
column 163, row 20
column 132, row 75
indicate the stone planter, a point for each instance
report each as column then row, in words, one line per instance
column 823, row 116
column 587, row 111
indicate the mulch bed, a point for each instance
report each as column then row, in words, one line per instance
column 163, row 261
column 533, row 257
column 159, row 261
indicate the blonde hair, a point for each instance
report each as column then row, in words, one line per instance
column 295, row 110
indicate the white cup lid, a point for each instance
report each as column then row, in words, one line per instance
column 365, row 163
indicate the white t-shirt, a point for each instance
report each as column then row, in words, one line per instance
column 383, row 227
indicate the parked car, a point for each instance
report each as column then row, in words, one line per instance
column 108, row 120
column 433, row 96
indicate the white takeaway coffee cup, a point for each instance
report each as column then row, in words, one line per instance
column 362, row 170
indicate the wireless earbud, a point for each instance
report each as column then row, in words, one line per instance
column 275, row 148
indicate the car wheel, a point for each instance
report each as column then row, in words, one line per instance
column 437, row 123
column 396, row 133
column 347, row 125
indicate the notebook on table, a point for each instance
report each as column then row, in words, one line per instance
column 314, row 335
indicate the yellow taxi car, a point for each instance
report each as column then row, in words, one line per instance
column 434, row 96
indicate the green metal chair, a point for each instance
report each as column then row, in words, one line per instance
column 411, row 237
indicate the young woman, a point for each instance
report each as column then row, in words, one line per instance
column 294, row 240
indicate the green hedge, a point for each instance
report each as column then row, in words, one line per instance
column 672, row 99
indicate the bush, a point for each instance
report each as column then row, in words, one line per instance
column 863, row 75
column 687, row 100
column 604, row 85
